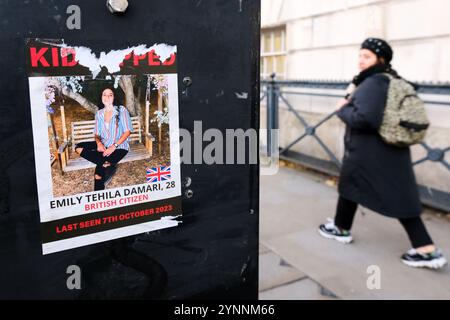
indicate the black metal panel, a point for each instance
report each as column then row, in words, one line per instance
column 215, row 251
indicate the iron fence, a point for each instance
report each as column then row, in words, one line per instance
column 276, row 91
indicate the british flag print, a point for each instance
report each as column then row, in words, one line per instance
column 158, row 174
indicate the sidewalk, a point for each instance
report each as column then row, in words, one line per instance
column 297, row 263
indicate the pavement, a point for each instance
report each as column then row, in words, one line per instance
column 296, row 263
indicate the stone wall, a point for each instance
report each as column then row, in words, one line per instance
column 323, row 38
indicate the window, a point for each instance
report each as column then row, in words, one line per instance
column 273, row 52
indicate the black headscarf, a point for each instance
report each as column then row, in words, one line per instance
column 382, row 50
column 380, row 47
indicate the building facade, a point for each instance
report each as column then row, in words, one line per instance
column 320, row 39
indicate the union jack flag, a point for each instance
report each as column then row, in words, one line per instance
column 158, row 174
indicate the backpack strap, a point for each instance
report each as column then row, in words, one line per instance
column 390, row 76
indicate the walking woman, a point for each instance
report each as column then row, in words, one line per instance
column 375, row 174
column 112, row 131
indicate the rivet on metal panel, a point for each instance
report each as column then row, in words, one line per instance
column 189, row 193
column 117, row 6
column 187, row 81
column 187, row 182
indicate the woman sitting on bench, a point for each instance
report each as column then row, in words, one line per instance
column 112, row 130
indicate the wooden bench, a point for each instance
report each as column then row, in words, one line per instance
column 83, row 131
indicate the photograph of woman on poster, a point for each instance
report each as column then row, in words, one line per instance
column 112, row 131
column 87, row 116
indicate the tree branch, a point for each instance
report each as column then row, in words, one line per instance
column 126, row 83
column 85, row 103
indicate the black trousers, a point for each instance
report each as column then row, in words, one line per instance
column 416, row 230
column 91, row 154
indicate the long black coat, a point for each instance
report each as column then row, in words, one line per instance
column 374, row 174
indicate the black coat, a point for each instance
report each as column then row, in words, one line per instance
column 374, row 174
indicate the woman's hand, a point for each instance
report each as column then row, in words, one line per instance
column 341, row 103
column 109, row 151
column 100, row 147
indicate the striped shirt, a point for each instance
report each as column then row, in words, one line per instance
column 112, row 133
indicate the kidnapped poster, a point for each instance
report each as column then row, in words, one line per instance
column 105, row 132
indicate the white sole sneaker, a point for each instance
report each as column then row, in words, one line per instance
column 345, row 240
column 433, row 264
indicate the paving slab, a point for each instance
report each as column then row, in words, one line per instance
column 305, row 289
column 274, row 271
column 289, row 218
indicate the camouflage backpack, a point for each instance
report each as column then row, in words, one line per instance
column 405, row 120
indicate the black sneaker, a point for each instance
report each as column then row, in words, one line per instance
column 330, row 231
column 433, row 260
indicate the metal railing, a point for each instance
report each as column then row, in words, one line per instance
column 275, row 92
